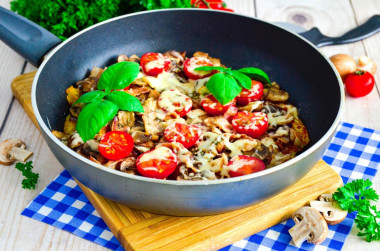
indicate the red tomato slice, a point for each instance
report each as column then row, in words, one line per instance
column 116, row 145
column 158, row 163
column 212, row 106
column 154, row 63
column 175, row 101
column 242, row 165
column 253, row 124
column 255, row 93
column 190, row 64
column 185, row 134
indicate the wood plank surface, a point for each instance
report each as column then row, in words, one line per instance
column 21, row 233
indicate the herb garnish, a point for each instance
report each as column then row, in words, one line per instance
column 31, row 178
column 65, row 18
column 227, row 83
column 104, row 103
column 356, row 196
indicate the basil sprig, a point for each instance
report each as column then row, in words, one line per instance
column 104, row 103
column 227, row 83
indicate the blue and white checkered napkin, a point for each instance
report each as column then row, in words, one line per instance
column 354, row 153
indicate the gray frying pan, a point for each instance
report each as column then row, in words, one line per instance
column 239, row 41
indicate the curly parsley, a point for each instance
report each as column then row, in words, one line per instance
column 31, row 178
column 357, row 196
column 66, row 17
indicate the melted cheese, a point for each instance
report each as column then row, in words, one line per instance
column 173, row 100
column 193, row 63
column 158, row 63
column 162, row 153
column 165, row 81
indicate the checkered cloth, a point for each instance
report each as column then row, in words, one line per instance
column 354, row 153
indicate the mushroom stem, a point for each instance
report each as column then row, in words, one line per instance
column 20, row 154
column 299, row 232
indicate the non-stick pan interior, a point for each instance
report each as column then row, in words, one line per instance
column 238, row 41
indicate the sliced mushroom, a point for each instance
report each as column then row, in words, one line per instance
column 252, row 106
column 330, row 209
column 122, row 58
column 74, row 140
column 299, row 134
column 12, row 150
column 141, row 137
column 134, row 58
column 309, row 226
column 277, row 95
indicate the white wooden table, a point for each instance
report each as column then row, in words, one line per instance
column 21, row 233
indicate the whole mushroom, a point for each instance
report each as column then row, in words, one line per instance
column 12, row 150
column 309, row 226
column 367, row 64
column 330, row 209
column 344, row 64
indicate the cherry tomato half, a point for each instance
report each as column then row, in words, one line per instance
column 154, row 63
column 212, row 106
column 116, row 145
column 185, row 134
column 253, row 124
column 359, row 83
column 255, row 93
column 242, row 165
column 191, row 63
column 175, row 101
column 158, row 163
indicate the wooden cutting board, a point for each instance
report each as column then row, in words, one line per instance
column 138, row 230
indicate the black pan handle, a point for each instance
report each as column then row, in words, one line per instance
column 25, row 37
column 363, row 31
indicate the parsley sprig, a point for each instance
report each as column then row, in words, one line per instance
column 357, row 196
column 104, row 103
column 66, row 17
column 227, row 83
column 31, row 178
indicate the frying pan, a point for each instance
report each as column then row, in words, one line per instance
column 239, row 41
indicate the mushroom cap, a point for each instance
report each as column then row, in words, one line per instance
column 310, row 225
column 344, row 64
column 6, row 157
column 367, row 64
column 335, row 214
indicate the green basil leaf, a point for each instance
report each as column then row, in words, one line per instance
column 212, row 68
column 90, row 97
column 224, row 87
column 256, row 74
column 119, row 76
column 242, row 79
column 125, row 101
column 93, row 117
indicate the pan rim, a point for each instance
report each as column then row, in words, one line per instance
column 284, row 165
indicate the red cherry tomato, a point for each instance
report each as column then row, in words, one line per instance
column 253, row 124
column 359, row 83
column 175, row 101
column 158, row 163
column 242, row 165
column 190, row 64
column 154, row 63
column 116, row 145
column 255, row 93
column 185, row 134
column 212, row 106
